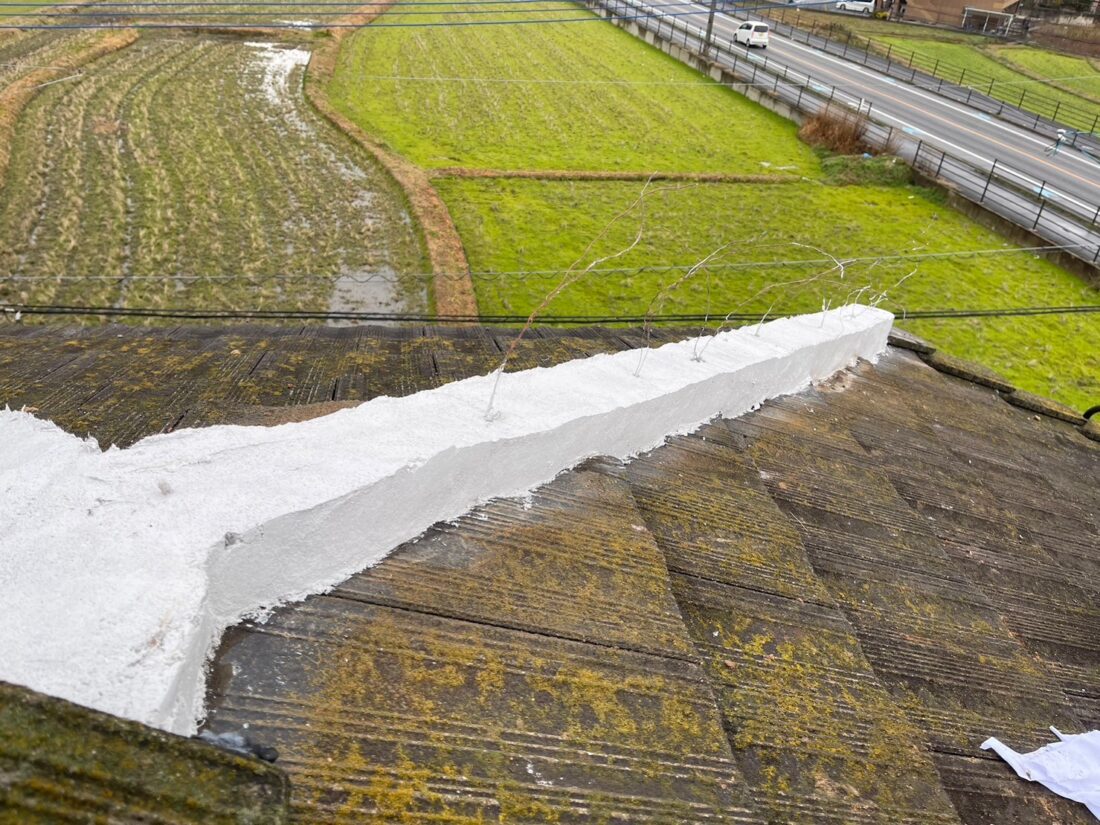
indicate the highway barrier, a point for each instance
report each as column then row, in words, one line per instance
column 1012, row 195
column 1018, row 105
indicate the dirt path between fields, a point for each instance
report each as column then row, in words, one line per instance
column 453, row 288
column 586, row 174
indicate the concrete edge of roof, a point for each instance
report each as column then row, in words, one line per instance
column 964, row 369
column 983, row 376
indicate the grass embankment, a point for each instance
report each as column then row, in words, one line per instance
column 185, row 156
column 614, row 104
column 1008, row 84
column 1077, row 75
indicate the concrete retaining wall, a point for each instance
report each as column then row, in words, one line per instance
column 1014, row 232
column 757, row 94
column 712, row 70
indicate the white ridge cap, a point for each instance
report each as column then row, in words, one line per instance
column 119, row 570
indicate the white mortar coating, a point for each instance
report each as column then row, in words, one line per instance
column 119, row 570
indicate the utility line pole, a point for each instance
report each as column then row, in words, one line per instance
column 710, row 28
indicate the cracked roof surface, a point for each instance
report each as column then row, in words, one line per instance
column 812, row 613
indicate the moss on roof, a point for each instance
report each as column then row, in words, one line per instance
column 61, row 762
column 812, row 613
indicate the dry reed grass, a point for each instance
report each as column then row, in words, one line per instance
column 838, row 131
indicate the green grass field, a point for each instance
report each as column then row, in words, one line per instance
column 525, row 227
column 1010, row 85
column 566, row 96
column 471, row 103
column 1077, row 75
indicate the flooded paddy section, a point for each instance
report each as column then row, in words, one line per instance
column 189, row 171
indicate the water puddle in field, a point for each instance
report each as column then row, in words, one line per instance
column 276, row 73
column 377, row 291
column 277, row 63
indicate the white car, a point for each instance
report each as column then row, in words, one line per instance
column 862, row 6
column 753, row 33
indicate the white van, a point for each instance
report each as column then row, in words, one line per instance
column 862, row 6
column 753, row 33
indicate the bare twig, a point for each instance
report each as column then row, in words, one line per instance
column 572, row 275
column 662, row 295
column 816, row 278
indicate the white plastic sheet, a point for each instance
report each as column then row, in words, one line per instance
column 1070, row 767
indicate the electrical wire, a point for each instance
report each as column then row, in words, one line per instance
column 522, row 274
column 303, row 8
column 195, row 313
column 281, row 3
column 306, row 24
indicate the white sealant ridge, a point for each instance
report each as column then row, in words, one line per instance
column 119, row 570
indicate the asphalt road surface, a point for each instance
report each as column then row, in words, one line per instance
column 1068, row 177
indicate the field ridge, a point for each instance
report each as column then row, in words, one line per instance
column 615, row 175
column 454, row 294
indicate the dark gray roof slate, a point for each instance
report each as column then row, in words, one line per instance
column 812, row 613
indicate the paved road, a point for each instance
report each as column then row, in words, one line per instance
column 1069, row 177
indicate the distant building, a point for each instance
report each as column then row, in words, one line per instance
column 992, row 14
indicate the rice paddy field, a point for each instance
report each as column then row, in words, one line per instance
column 465, row 103
column 188, row 171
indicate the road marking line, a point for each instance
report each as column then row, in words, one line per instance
column 1016, row 131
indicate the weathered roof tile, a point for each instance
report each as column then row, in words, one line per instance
column 814, row 613
column 969, row 370
column 61, row 762
column 1036, row 403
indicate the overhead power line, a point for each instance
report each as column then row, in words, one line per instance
column 522, row 274
column 196, row 313
column 281, row 3
column 307, row 24
column 93, row 11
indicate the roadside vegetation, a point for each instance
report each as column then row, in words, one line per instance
column 507, row 102
column 1077, row 75
column 839, row 23
column 1017, row 72
column 1002, row 66
column 186, row 171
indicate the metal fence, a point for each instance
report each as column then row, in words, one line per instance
column 1007, row 192
column 1002, row 191
column 1024, row 107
